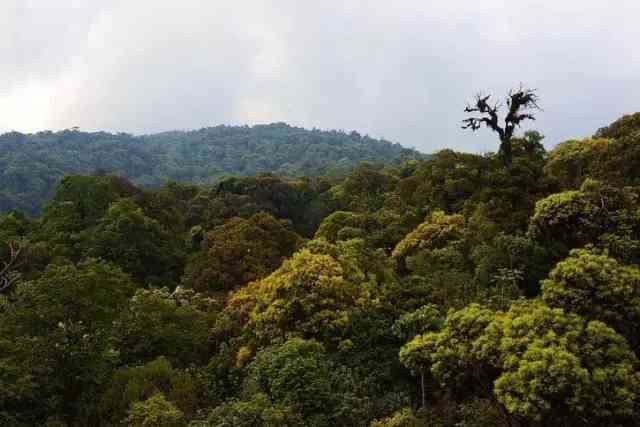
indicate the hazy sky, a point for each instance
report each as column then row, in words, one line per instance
column 399, row 69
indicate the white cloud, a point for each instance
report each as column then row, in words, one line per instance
column 401, row 70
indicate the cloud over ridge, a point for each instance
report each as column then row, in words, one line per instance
column 399, row 70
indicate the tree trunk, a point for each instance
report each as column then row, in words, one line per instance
column 507, row 152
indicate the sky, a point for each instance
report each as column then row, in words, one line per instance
column 400, row 70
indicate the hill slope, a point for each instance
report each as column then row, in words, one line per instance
column 32, row 164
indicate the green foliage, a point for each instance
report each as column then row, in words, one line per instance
column 14, row 225
column 90, row 293
column 364, row 189
column 433, row 350
column 571, row 162
column 54, row 338
column 610, row 156
column 32, row 164
column 510, row 264
column 155, row 412
column 169, row 204
column 597, row 214
column 540, row 363
column 446, row 181
column 240, row 251
column 425, row 318
column 382, row 229
column 308, row 296
column 333, row 226
column 438, row 231
column 295, row 373
column 143, row 390
column 529, row 146
column 299, row 200
column 258, row 411
column 298, row 374
column 625, row 126
column 438, row 252
column 158, row 322
column 79, row 203
column 402, row 418
column 559, row 366
column 420, row 286
column 135, row 242
column 597, row 287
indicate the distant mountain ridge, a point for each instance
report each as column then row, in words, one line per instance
column 32, row 164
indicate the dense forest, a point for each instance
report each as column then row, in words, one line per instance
column 453, row 290
column 31, row 165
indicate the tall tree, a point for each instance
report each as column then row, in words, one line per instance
column 520, row 104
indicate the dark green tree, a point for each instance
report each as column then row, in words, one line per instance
column 136, row 243
column 55, row 340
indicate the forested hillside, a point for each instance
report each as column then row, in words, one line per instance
column 457, row 290
column 32, row 164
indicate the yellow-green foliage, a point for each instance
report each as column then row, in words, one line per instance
column 402, row 418
column 541, row 363
column 449, row 353
column 598, row 214
column 307, row 296
column 332, row 225
column 434, row 233
column 437, row 252
column 610, row 156
column 625, row 126
column 597, row 287
column 551, row 360
column 156, row 411
column 572, row 161
column 134, row 387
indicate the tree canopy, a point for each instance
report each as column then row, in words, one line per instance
column 31, row 165
column 451, row 290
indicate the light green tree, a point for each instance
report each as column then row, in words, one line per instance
column 536, row 363
column 156, row 411
column 308, row 297
column 597, row 287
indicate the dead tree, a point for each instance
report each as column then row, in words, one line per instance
column 8, row 274
column 520, row 104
